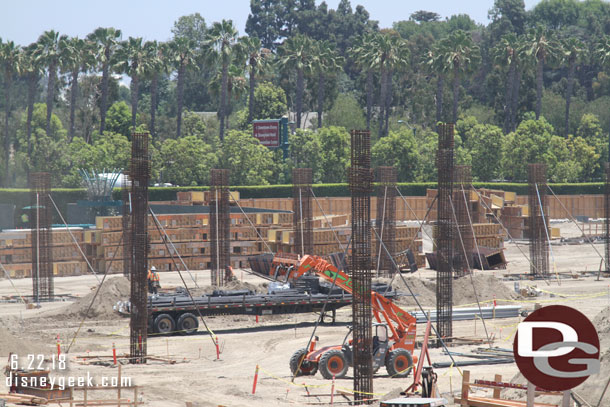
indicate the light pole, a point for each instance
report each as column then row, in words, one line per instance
column 409, row 126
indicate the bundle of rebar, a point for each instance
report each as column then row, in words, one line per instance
column 126, row 223
column 463, row 238
column 385, row 222
column 446, row 229
column 538, row 224
column 302, row 210
column 607, row 216
column 40, row 220
column 139, row 172
column 220, row 223
column 360, row 183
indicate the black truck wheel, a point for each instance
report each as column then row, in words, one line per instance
column 187, row 324
column 164, row 324
column 307, row 367
column 333, row 363
column 399, row 363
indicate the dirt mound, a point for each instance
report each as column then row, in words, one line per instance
column 10, row 342
column 602, row 321
column 114, row 289
column 424, row 290
column 486, row 287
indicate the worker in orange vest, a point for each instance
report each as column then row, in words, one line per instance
column 153, row 280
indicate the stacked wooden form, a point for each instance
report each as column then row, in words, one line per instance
column 16, row 252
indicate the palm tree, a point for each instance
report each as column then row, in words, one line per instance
column 460, row 55
column 510, row 52
column 76, row 57
column 107, row 41
column 30, row 69
column 9, row 58
column 156, row 55
column 602, row 54
column 236, row 86
column 542, row 47
column 572, row 50
column 221, row 39
column 326, row 61
column 366, row 59
column 296, row 53
column 132, row 59
column 256, row 57
column 435, row 63
column 48, row 54
column 182, row 54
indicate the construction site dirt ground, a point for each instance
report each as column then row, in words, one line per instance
column 199, row 378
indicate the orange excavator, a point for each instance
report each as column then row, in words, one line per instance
column 394, row 331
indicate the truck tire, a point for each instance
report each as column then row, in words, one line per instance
column 333, row 363
column 399, row 363
column 307, row 368
column 187, row 324
column 164, row 324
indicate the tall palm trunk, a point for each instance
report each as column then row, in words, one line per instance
column 300, row 86
column 180, row 96
column 154, row 86
column 539, row 67
column 104, row 100
column 251, row 95
column 382, row 98
column 456, row 94
column 8, row 78
column 321, row 80
column 369, row 98
column 515, row 99
column 388, row 102
column 32, row 79
column 135, row 86
column 440, row 83
column 512, row 71
column 50, row 95
column 73, row 92
column 571, row 71
column 223, row 99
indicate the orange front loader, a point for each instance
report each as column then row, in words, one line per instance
column 394, row 332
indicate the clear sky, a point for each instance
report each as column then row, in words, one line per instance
column 23, row 21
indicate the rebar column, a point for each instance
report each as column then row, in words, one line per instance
column 461, row 202
column 41, row 218
column 126, row 223
column 360, row 182
column 220, row 223
column 385, row 222
column 302, row 211
column 446, row 231
column 139, row 172
column 538, row 221
column 607, row 216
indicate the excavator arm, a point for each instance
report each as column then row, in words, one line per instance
column 401, row 323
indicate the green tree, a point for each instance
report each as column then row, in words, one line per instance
column 192, row 27
column 48, row 54
column 76, row 57
column 484, row 143
column 305, row 151
column 366, row 59
column 269, row 102
column 434, row 60
column 398, row 149
column 296, row 54
column 257, row 59
column 10, row 57
column 326, row 62
column 182, row 54
column 346, row 112
column 250, row 163
column 334, row 153
column 157, row 55
column 133, row 59
column 107, row 41
column 118, row 119
column 542, row 47
column 572, row 51
column 187, row 161
column 221, row 40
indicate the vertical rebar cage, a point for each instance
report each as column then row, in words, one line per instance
column 139, row 172
column 220, row 223
column 302, row 211
column 360, row 183
column 538, row 222
column 607, row 216
column 126, row 224
column 464, row 238
column 41, row 217
column 385, row 221
column 446, row 231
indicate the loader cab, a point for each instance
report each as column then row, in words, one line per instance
column 380, row 345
